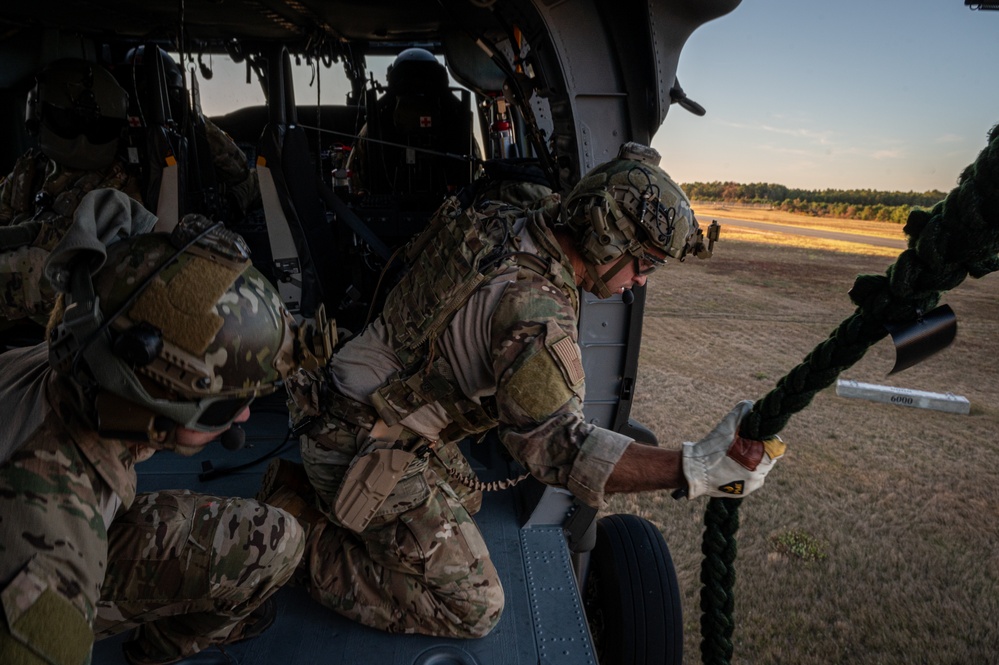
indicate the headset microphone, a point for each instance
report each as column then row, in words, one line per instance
column 627, row 297
column 233, row 438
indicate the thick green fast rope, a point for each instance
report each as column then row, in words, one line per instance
column 957, row 238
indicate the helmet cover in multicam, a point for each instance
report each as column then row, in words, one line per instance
column 627, row 206
column 193, row 331
column 78, row 111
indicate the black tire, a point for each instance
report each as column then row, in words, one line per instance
column 632, row 597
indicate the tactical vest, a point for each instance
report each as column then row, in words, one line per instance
column 461, row 249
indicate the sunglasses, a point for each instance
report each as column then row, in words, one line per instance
column 647, row 263
column 218, row 414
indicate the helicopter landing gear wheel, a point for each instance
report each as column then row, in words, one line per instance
column 631, row 595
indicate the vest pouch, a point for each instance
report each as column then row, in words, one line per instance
column 370, row 480
column 412, row 491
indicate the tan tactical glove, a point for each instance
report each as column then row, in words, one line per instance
column 724, row 464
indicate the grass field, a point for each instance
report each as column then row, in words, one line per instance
column 879, row 229
column 706, row 212
column 876, row 539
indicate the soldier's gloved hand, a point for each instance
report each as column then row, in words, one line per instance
column 723, row 464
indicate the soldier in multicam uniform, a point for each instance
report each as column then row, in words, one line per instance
column 418, row 110
column 482, row 332
column 235, row 182
column 162, row 348
column 78, row 111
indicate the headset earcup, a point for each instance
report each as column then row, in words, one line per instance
column 139, row 345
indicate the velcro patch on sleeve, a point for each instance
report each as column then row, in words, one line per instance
column 32, row 607
column 538, row 387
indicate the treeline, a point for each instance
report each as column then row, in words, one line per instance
column 867, row 204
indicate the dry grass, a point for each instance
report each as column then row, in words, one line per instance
column 876, row 539
column 706, row 212
column 877, row 229
column 732, row 233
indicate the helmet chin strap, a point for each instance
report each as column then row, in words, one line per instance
column 600, row 288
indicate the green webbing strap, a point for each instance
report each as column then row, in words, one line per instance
column 957, row 238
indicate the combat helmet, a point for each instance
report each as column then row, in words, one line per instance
column 156, row 84
column 627, row 206
column 416, row 71
column 78, row 111
column 175, row 330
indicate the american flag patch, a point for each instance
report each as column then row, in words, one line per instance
column 567, row 354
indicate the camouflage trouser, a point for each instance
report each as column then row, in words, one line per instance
column 186, row 568
column 420, row 566
column 190, row 566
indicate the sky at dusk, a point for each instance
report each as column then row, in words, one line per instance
column 853, row 94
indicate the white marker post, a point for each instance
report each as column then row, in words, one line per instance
column 918, row 399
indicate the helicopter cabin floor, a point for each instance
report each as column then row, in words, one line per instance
column 543, row 621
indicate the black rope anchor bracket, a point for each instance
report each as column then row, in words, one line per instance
column 958, row 237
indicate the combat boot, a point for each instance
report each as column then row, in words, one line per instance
column 285, row 473
column 259, row 620
column 298, row 506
